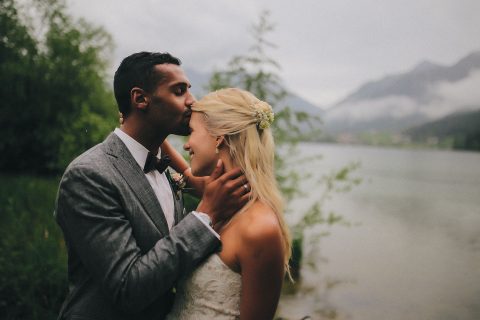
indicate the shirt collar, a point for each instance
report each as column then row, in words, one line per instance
column 138, row 151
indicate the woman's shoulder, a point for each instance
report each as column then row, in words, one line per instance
column 259, row 225
column 260, row 242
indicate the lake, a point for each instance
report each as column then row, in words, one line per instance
column 413, row 248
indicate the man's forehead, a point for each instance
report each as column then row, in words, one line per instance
column 172, row 74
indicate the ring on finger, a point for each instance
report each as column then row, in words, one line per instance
column 245, row 186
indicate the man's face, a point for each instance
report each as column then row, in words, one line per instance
column 171, row 100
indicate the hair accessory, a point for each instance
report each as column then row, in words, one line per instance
column 263, row 114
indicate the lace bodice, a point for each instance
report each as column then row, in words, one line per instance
column 212, row 291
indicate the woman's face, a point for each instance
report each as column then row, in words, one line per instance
column 201, row 146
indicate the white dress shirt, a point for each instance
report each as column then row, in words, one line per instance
column 157, row 180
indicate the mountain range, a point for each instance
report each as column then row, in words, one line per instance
column 393, row 103
column 397, row 102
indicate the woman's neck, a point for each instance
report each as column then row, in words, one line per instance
column 227, row 161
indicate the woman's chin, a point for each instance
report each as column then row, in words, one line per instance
column 197, row 173
column 201, row 172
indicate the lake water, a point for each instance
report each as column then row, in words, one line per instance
column 413, row 248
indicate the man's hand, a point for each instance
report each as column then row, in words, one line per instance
column 224, row 194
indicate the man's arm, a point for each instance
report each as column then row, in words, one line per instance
column 91, row 214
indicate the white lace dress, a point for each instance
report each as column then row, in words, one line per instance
column 212, row 291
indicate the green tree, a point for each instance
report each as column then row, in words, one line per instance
column 55, row 102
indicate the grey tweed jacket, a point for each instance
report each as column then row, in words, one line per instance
column 122, row 259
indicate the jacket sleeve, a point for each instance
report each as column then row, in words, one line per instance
column 90, row 212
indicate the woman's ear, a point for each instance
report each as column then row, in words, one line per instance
column 138, row 98
column 220, row 140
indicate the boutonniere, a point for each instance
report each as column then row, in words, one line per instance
column 179, row 182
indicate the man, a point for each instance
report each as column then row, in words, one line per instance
column 127, row 236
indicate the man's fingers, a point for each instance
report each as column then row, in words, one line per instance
column 241, row 191
column 217, row 172
column 244, row 199
column 233, row 174
column 240, row 182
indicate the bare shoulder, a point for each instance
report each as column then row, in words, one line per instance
column 260, row 228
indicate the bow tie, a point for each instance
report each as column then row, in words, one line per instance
column 153, row 163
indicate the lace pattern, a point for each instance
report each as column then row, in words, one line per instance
column 212, row 291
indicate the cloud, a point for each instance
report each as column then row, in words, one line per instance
column 326, row 48
column 453, row 96
column 367, row 110
column 448, row 97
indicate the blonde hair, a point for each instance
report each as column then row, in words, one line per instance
column 244, row 121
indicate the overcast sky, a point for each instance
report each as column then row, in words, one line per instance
column 326, row 48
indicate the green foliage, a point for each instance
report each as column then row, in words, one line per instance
column 458, row 131
column 297, row 257
column 190, row 202
column 337, row 181
column 33, row 262
column 54, row 105
column 55, row 102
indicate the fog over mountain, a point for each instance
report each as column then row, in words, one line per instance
column 427, row 92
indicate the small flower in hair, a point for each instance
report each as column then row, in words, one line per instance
column 263, row 114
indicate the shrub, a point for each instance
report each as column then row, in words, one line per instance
column 33, row 262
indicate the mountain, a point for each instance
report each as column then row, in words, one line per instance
column 199, row 81
column 460, row 130
column 393, row 103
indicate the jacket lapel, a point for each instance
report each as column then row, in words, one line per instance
column 135, row 178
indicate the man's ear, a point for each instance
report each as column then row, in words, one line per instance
column 139, row 98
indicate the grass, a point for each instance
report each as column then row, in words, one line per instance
column 33, row 259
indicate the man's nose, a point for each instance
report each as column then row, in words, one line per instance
column 190, row 99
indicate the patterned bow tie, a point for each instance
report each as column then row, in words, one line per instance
column 153, row 163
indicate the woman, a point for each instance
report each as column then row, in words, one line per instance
column 243, row 280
